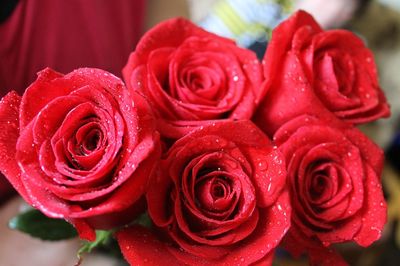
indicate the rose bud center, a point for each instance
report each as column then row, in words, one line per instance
column 91, row 141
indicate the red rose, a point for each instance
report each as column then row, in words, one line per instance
column 190, row 75
column 219, row 199
column 334, row 182
column 79, row 147
column 311, row 71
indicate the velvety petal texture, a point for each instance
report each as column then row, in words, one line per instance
column 334, row 182
column 9, row 131
column 322, row 73
column 218, row 199
column 79, row 147
column 191, row 76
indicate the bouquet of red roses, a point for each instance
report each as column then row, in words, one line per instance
column 204, row 155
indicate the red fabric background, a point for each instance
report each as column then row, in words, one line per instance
column 65, row 35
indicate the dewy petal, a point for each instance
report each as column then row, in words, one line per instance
column 51, row 116
column 370, row 152
column 34, row 179
column 157, row 195
column 9, row 133
column 297, row 243
column 374, row 212
column 47, row 87
column 242, row 132
column 272, row 226
column 294, row 90
column 269, row 173
column 282, row 42
column 140, row 246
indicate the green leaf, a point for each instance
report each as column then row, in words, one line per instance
column 101, row 239
column 36, row 224
column 144, row 220
column 104, row 240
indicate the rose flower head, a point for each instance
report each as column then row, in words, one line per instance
column 79, row 147
column 320, row 73
column 191, row 76
column 219, row 199
column 334, row 182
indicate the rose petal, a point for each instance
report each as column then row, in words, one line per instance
column 297, row 243
column 9, row 132
column 374, row 213
column 141, row 247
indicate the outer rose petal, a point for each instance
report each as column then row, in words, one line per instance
column 282, row 42
column 291, row 88
column 9, row 132
column 297, row 243
column 374, row 213
column 141, row 246
column 270, row 177
column 43, row 92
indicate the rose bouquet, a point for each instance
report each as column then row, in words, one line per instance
column 204, row 155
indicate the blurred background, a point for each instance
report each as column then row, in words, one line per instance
column 37, row 34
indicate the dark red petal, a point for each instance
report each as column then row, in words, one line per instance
column 227, row 233
column 130, row 183
column 117, row 218
column 297, row 243
column 157, row 198
column 198, row 251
